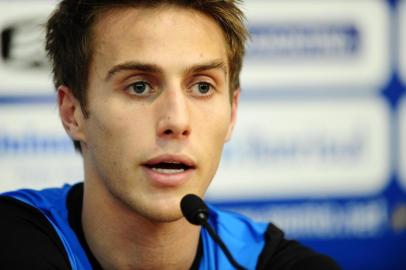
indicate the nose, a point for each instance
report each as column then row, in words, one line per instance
column 173, row 115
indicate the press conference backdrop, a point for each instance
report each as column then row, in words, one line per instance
column 320, row 144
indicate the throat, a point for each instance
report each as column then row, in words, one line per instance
column 121, row 238
column 145, row 248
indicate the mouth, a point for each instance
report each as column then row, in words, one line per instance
column 170, row 165
column 169, row 170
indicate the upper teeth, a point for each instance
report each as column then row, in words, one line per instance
column 168, row 171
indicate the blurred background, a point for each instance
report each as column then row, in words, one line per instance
column 320, row 144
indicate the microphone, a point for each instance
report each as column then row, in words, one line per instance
column 196, row 212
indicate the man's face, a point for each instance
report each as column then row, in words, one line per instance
column 159, row 107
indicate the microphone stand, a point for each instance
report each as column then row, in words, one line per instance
column 196, row 212
column 203, row 219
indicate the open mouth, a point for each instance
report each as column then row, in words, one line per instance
column 169, row 167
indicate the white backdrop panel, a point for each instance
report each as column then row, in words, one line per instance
column 402, row 143
column 312, row 147
column 35, row 152
column 327, row 44
column 402, row 39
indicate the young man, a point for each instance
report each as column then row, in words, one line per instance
column 148, row 91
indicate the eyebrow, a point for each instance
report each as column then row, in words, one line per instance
column 216, row 64
column 132, row 66
column 151, row 68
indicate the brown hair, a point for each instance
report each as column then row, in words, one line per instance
column 69, row 29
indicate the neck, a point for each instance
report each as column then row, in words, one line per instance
column 121, row 239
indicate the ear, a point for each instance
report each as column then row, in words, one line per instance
column 234, row 107
column 71, row 114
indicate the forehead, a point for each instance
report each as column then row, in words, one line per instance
column 166, row 35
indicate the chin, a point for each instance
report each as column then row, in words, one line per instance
column 163, row 216
column 157, row 210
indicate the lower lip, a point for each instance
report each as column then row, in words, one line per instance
column 166, row 179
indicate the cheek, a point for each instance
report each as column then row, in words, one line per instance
column 214, row 129
column 116, row 135
column 219, row 123
column 120, row 122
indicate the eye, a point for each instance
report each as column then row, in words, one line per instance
column 140, row 88
column 202, row 89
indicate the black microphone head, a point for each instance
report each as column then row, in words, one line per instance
column 194, row 209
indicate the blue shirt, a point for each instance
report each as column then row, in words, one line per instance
column 243, row 237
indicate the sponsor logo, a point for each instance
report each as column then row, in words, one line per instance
column 287, row 41
column 327, row 46
column 22, row 44
column 34, row 144
column 324, row 220
column 313, row 148
column 24, row 69
column 34, row 149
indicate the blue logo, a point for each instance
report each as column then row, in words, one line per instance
column 323, row 148
column 286, row 41
column 34, row 144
